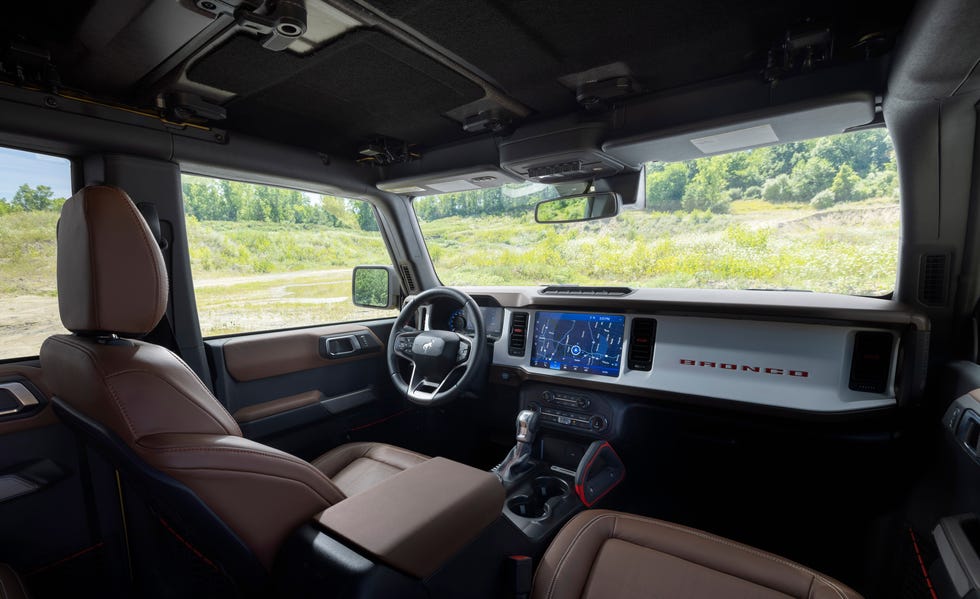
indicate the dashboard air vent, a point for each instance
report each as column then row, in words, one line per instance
column 409, row 277
column 518, row 334
column 871, row 361
column 933, row 272
column 642, row 335
column 577, row 290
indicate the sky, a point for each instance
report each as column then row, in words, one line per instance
column 18, row 167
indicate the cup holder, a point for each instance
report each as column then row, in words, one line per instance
column 534, row 505
column 547, row 487
column 526, row 507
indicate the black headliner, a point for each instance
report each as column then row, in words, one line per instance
column 366, row 83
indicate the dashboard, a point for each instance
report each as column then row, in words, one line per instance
column 818, row 354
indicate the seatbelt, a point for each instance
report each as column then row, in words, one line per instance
column 518, row 574
column 163, row 333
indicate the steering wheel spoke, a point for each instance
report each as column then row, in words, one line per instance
column 465, row 351
column 403, row 343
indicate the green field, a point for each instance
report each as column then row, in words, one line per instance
column 850, row 248
column 261, row 276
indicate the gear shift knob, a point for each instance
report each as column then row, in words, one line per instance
column 527, row 426
column 518, row 461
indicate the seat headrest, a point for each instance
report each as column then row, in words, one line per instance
column 111, row 276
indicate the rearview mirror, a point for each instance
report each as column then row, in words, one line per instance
column 375, row 287
column 574, row 209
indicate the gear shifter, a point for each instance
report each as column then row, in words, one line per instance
column 518, row 460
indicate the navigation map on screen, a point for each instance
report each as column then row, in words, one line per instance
column 588, row 343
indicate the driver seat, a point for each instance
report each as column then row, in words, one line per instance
column 143, row 404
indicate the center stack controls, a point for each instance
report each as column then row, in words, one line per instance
column 569, row 411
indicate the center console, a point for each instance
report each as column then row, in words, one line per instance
column 549, row 478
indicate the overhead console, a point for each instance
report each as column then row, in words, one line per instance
column 559, row 152
column 847, row 355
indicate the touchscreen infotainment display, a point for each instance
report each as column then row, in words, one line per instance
column 589, row 343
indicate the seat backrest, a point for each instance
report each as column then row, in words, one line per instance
column 111, row 281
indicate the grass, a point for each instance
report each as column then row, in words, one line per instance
column 851, row 249
column 262, row 276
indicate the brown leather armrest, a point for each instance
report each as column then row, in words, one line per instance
column 416, row 520
column 277, row 406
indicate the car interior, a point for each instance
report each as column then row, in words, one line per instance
column 374, row 428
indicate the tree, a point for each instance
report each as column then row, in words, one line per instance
column 706, row 189
column 665, row 188
column 845, row 185
column 365, row 216
column 864, row 151
column 811, row 176
column 39, row 198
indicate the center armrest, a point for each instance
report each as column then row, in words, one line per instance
column 419, row 518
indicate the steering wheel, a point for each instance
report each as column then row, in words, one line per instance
column 435, row 355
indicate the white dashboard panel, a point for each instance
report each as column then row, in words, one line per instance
column 779, row 364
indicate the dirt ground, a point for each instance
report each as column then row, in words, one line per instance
column 25, row 322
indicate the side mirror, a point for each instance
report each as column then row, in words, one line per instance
column 574, row 209
column 375, row 287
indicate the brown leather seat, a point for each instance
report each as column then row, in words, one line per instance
column 356, row 467
column 610, row 555
column 112, row 281
column 11, row 586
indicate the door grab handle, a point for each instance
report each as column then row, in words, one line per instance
column 24, row 397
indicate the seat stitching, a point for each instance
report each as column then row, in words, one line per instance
column 172, row 386
column 200, row 383
column 396, row 466
column 297, row 461
column 554, row 577
column 739, row 546
column 699, row 564
column 361, row 447
column 400, row 450
column 69, row 342
column 266, row 475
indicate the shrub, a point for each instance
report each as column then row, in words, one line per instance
column 752, row 193
column 824, row 199
column 722, row 205
column 779, row 189
column 881, row 184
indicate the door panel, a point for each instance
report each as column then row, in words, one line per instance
column 43, row 516
column 304, row 390
column 944, row 511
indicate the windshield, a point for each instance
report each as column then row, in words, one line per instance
column 818, row 215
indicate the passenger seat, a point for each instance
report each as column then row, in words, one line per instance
column 608, row 555
column 11, row 587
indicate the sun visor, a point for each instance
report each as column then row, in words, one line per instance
column 478, row 177
column 793, row 122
